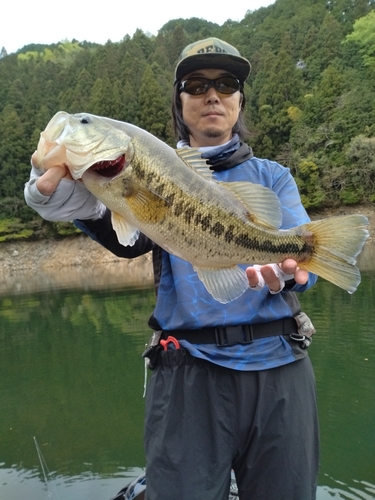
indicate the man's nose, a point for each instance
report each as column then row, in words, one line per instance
column 212, row 95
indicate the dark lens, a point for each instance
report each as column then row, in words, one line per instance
column 227, row 85
column 195, row 86
column 199, row 85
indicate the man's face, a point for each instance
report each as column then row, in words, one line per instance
column 210, row 117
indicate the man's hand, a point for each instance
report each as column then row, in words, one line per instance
column 274, row 276
column 48, row 182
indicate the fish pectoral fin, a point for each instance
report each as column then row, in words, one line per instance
column 263, row 204
column 224, row 284
column 192, row 157
column 127, row 235
column 147, row 205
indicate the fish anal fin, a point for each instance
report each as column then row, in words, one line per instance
column 263, row 204
column 224, row 284
column 127, row 235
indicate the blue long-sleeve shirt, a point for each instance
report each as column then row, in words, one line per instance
column 184, row 303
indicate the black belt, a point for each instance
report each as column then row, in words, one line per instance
column 229, row 335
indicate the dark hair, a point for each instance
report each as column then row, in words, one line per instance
column 181, row 130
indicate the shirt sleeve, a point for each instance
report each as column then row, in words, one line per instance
column 101, row 231
column 71, row 200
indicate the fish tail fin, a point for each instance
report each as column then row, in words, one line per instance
column 337, row 243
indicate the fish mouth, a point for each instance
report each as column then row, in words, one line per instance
column 109, row 168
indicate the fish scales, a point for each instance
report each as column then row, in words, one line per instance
column 189, row 214
column 171, row 197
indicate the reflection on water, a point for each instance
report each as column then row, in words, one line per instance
column 28, row 484
column 135, row 272
column 71, row 374
column 353, row 491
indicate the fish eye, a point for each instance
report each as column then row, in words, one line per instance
column 85, row 120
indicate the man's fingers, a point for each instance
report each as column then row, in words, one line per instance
column 301, row 276
column 48, row 182
column 290, row 266
column 270, row 277
column 252, row 276
column 34, row 159
column 259, row 276
column 274, row 276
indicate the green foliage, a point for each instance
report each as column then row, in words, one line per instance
column 310, row 95
column 360, row 168
column 349, row 197
column 308, row 182
column 64, row 53
column 193, row 26
column 363, row 36
column 153, row 113
column 13, row 229
column 64, row 229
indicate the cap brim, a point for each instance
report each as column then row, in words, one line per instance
column 238, row 66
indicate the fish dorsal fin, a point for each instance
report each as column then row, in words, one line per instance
column 192, row 157
column 224, row 284
column 263, row 204
column 127, row 235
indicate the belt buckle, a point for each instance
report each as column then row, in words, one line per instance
column 229, row 335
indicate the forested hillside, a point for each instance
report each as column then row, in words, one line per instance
column 310, row 96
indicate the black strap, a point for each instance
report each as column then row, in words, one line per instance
column 230, row 335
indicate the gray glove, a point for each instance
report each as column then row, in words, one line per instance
column 71, row 200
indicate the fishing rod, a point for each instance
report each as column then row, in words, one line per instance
column 46, row 473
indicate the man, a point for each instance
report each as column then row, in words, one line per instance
column 233, row 387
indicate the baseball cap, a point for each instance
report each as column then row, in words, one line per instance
column 212, row 53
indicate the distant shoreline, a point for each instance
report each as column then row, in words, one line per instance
column 28, row 266
column 80, row 261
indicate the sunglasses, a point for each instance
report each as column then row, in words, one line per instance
column 197, row 85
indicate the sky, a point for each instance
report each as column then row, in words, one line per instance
column 42, row 21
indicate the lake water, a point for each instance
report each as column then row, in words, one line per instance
column 72, row 377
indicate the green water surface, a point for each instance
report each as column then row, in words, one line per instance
column 72, row 376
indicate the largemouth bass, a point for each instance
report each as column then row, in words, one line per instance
column 170, row 196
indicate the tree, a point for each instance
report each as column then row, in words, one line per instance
column 82, row 92
column 43, row 116
column 363, row 36
column 360, row 172
column 347, row 11
column 177, row 41
column 14, row 154
column 16, row 94
column 279, row 83
column 309, row 184
column 153, row 105
column 143, row 42
column 130, row 110
column 97, row 92
column 310, row 93
column 132, row 68
column 325, row 47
